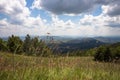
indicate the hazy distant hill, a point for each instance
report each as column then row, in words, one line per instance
column 78, row 44
column 108, row 39
column 59, row 39
column 56, row 39
column 71, row 39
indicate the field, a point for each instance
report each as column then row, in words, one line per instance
column 20, row 67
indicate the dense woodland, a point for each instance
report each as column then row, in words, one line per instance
column 36, row 47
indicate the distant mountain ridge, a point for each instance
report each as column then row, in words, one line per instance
column 66, row 44
column 78, row 44
column 108, row 39
column 73, row 44
column 68, row 38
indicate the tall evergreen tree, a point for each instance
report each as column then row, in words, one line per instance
column 15, row 44
column 27, row 44
column 3, row 45
column 34, row 46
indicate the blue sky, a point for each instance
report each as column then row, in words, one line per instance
column 60, row 17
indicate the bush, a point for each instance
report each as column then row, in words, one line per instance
column 103, row 54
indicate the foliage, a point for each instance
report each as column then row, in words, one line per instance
column 3, row 45
column 26, row 44
column 15, row 44
column 108, row 53
column 103, row 54
column 30, row 46
column 34, row 46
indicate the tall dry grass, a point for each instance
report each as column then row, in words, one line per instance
column 55, row 68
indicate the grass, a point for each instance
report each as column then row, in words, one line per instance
column 55, row 68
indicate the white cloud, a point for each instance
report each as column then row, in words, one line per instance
column 87, row 26
column 77, row 6
column 64, row 6
column 100, row 25
column 3, row 22
column 32, row 26
column 21, row 23
column 111, row 7
column 14, row 7
column 7, row 29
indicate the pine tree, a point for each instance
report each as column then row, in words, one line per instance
column 27, row 44
column 15, row 44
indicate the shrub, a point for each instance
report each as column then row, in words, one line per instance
column 103, row 54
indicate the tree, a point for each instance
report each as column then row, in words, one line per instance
column 40, row 48
column 15, row 44
column 27, row 44
column 3, row 45
column 34, row 46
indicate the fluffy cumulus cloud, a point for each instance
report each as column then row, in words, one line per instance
column 112, row 7
column 35, row 26
column 76, row 6
column 110, row 16
column 18, row 19
column 60, row 27
column 15, row 9
column 64, row 6
column 89, row 25
column 100, row 25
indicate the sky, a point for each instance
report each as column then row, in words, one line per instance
column 83, row 18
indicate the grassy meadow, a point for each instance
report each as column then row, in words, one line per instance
column 20, row 67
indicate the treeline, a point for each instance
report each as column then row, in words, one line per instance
column 30, row 46
column 36, row 47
